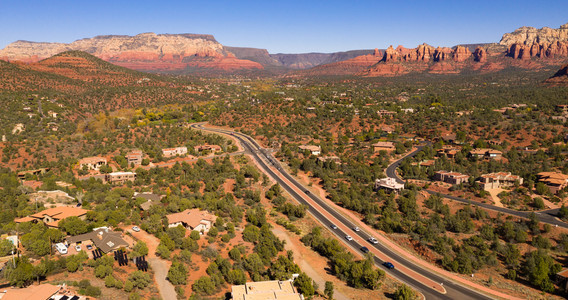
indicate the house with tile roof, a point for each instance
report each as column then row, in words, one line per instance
column 554, row 180
column 192, row 219
column 498, row 180
column 52, row 216
column 451, row 177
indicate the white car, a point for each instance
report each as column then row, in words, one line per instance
column 61, row 248
column 136, row 228
column 373, row 240
column 78, row 248
column 356, row 229
column 349, row 238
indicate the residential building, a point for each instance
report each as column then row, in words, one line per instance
column 387, row 146
column 451, row 177
column 192, row 219
column 389, row 184
column 32, row 292
column 383, row 113
column 486, row 153
column 448, row 151
column 52, row 216
column 103, row 238
column 450, row 138
column 498, row 180
column 562, row 108
column 212, row 148
column 315, row 150
column 92, row 163
column 555, row 181
column 169, row 152
column 562, row 280
column 266, row 290
column 119, row 177
column 151, row 199
column 22, row 174
column 134, row 157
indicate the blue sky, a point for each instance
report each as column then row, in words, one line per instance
column 282, row 26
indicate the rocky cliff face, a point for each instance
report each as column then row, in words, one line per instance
column 345, row 67
column 527, row 42
column 146, row 51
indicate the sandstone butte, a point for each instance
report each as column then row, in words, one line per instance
column 347, row 67
column 146, row 51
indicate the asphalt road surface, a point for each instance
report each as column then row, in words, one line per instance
column 268, row 164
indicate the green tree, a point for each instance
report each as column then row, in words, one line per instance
column 177, row 273
column 328, row 291
column 304, row 285
column 404, row 293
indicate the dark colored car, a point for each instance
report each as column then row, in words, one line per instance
column 365, row 249
column 388, row 265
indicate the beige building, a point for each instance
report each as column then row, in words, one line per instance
column 498, row 180
column 192, row 219
column 555, row 181
column 120, row 177
column 486, row 153
column 134, row 157
column 169, row 152
column 315, row 150
column 92, row 163
column 387, row 146
column 451, row 177
column 266, row 290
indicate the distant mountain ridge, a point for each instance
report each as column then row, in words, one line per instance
column 526, row 47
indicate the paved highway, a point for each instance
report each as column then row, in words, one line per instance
column 544, row 216
column 322, row 211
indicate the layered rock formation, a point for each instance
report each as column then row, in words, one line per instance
column 527, row 42
column 146, row 51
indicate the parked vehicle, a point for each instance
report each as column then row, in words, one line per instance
column 61, row 248
column 78, row 248
column 136, row 228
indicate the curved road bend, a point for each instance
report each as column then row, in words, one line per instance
column 322, row 212
column 544, row 216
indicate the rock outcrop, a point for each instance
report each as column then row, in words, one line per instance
column 480, row 55
column 560, row 78
column 527, row 42
column 146, row 51
column 347, row 67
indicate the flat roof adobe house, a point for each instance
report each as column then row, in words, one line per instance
column 388, row 184
column 266, row 290
column 170, row 152
column 212, row 148
column 387, row 146
column 92, row 163
column 120, row 177
column 52, row 216
column 450, row 177
column 315, row 150
column 192, row 219
column 134, row 157
column 486, row 153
